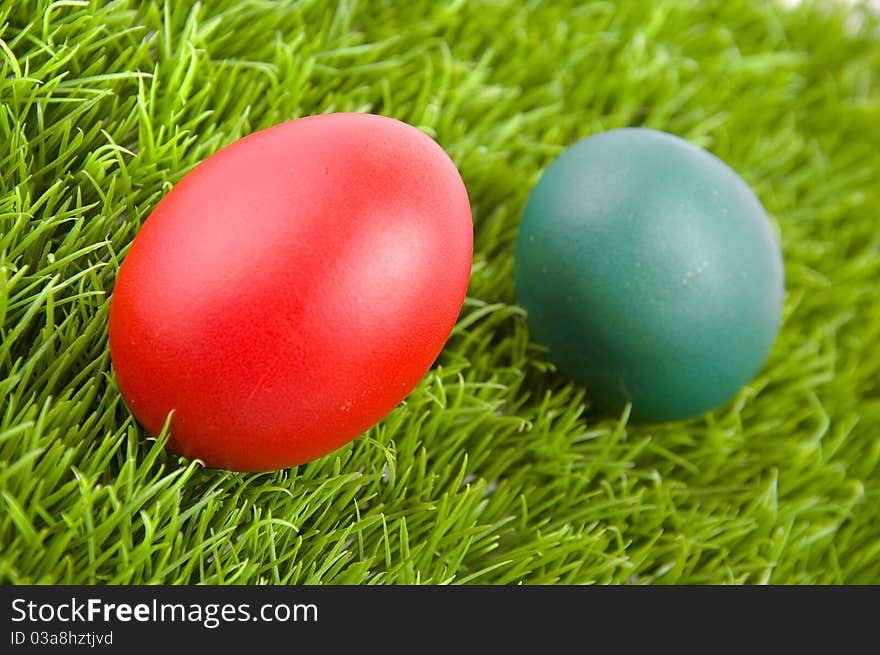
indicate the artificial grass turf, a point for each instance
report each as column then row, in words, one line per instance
column 495, row 469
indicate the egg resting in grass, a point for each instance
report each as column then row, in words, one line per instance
column 292, row 289
column 650, row 271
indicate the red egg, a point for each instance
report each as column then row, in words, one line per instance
column 292, row 289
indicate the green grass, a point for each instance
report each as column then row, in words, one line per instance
column 494, row 470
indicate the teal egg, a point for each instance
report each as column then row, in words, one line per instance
column 650, row 272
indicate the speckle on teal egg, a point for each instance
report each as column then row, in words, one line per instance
column 651, row 272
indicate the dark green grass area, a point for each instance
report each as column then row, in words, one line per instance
column 494, row 470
